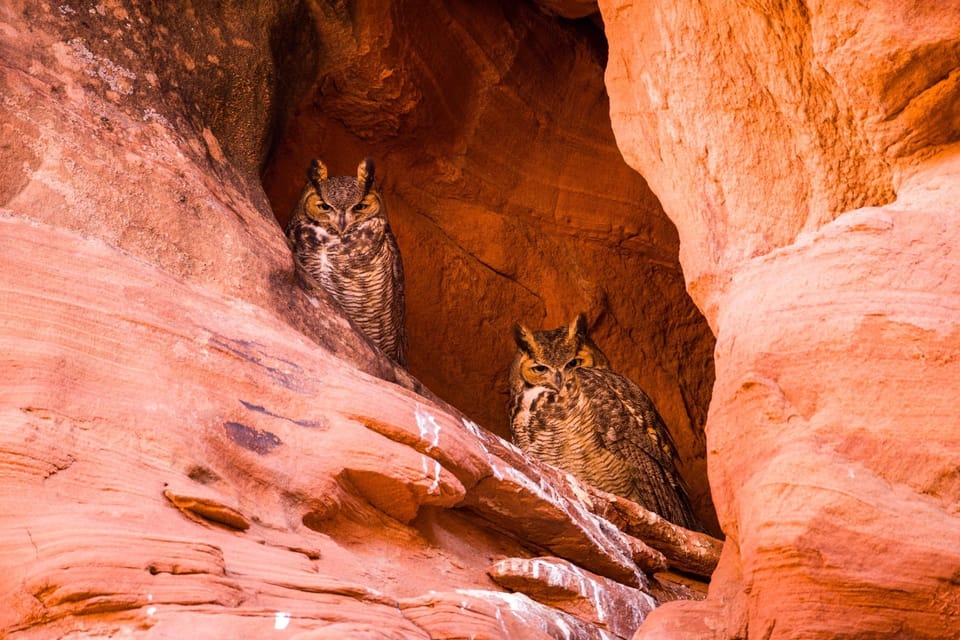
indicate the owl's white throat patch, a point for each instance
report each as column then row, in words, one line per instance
column 319, row 262
column 527, row 399
column 322, row 236
column 532, row 398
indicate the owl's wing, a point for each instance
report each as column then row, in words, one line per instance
column 520, row 417
column 400, row 302
column 303, row 246
column 634, row 431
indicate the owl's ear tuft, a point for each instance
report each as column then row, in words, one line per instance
column 578, row 328
column 365, row 175
column 524, row 338
column 317, row 172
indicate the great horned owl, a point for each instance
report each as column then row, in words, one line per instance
column 570, row 410
column 341, row 238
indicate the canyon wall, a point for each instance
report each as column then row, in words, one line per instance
column 807, row 154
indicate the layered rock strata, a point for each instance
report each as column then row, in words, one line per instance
column 807, row 153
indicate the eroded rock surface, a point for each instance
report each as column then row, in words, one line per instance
column 807, row 153
column 234, row 493
column 558, row 583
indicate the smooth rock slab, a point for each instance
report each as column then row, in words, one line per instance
column 558, row 583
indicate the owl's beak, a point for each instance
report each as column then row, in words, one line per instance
column 341, row 221
column 558, row 380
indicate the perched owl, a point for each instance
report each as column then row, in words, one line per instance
column 570, row 410
column 340, row 237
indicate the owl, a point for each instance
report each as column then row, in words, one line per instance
column 570, row 410
column 341, row 239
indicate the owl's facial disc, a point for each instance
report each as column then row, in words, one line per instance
column 321, row 216
column 537, row 374
column 357, row 216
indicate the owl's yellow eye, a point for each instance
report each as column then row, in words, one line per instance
column 576, row 362
column 539, row 368
column 360, row 206
column 325, row 206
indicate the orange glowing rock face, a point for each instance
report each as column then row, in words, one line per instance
column 814, row 234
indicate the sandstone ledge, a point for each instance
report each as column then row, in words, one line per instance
column 203, row 461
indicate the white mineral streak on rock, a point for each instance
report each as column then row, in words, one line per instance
column 564, row 576
column 434, row 475
column 281, row 620
column 592, row 527
column 492, row 461
column 429, row 429
column 565, row 586
column 538, row 616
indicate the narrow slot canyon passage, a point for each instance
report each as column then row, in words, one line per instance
column 489, row 125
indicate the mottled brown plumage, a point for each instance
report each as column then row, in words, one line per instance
column 570, row 410
column 341, row 240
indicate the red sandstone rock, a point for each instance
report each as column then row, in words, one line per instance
column 689, row 551
column 249, row 482
column 190, row 447
column 831, row 435
column 607, row 604
column 479, row 613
